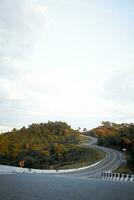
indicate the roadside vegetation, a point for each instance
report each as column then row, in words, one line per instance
column 119, row 136
column 84, row 139
column 124, row 169
column 91, row 156
column 51, row 145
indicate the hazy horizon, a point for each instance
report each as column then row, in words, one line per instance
column 66, row 60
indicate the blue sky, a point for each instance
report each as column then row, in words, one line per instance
column 66, row 60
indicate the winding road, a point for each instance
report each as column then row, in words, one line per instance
column 112, row 161
column 77, row 185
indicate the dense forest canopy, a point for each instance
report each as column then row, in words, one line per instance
column 120, row 136
column 44, row 145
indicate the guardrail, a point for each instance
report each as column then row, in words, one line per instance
column 117, row 176
column 11, row 169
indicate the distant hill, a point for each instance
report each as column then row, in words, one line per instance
column 45, row 145
column 106, row 129
column 102, row 131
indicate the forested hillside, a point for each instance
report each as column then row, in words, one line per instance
column 119, row 136
column 45, row 145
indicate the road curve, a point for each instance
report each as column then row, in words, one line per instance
column 69, row 186
column 112, row 161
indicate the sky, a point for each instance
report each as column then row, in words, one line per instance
column 66, row 60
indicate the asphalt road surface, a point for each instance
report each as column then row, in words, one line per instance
column 112, row 160
column 81, row 185
column 51, row 187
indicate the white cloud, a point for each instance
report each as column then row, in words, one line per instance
column 62, row 63
column 41, row 9
column 5, row 129
column 9, row 90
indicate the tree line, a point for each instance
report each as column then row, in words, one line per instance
column 44, row 145
column 119, row 136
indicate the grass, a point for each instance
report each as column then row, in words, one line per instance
column 84, row 139
column 92, row 156
column 124, row 169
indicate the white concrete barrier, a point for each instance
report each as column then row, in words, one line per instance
column 11, row 169
column 117, row 176
column 132, row 178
